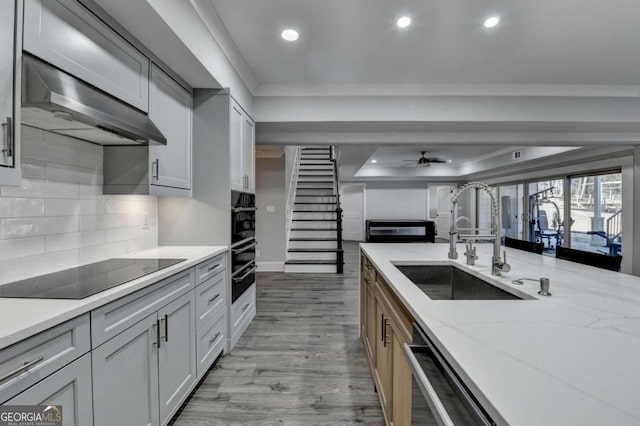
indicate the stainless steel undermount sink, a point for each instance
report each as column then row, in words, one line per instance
column 446, row 282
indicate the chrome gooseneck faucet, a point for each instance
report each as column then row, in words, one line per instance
column 498, row 265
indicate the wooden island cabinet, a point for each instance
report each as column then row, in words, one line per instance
column 385, row 325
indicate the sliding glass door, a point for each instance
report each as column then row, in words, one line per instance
column 596, row 213
column 546, row 213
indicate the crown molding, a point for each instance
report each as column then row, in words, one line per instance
column 543, row 90
column 462, row 138
column 209, row 16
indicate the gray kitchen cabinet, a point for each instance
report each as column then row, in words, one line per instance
column 176, row 354
column 65, row 34
column 170, row 108
column 10, row 42
column 125, row 377
column 235, row 147
column 241, row 146
column 248, row 155
column 69, row 387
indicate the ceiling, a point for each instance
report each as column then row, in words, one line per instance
column 356, row 43
column 407, row 156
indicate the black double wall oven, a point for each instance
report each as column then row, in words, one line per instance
column 243, row 242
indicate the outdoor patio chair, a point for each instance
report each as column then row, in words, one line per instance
column 529, row 246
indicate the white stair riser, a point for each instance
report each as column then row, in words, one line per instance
column 311, row 256
column 314, row 215
column 317, row 199
column 315, row 225
column 315, row 184
column 312, row 234
column 310, row 269
column 313, row 244
column 315, row 172
column 316, row 207
column 306, row 169
column 312, row 179
column 315, row 192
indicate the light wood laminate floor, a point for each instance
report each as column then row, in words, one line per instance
column 300, row 362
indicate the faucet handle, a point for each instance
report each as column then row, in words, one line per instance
column 505, row 267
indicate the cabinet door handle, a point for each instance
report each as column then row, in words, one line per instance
column 386, row 341
column 213, row 339
column 213, row 298
column 214, row 267
column 166, row 328
column 158, row 336
column 244, row 308
column 24, row 367
column 156, row 169
column 8, row 137
column 382, row 327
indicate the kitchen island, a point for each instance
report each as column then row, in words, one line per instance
column 567, row 359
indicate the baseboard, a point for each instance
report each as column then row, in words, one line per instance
column 270, row 266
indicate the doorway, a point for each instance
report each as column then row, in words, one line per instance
column 352, row 200
column 440, row 208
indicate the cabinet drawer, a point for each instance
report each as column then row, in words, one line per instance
column 209, row 268
column 37, row 357
column 243, row 307
column 210, row 342
column 210, row 299
column 117, row 316
column 69, row 387
column 65, row 34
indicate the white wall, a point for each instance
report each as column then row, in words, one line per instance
column 271, row 225
column 58, row 217
column 396, row 200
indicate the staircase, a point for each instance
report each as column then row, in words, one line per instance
column 315, row 235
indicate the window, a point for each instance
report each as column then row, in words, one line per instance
column 546, row 213
column 596, row 213
column 511, row 209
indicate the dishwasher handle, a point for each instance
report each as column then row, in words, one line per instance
column 429, row 393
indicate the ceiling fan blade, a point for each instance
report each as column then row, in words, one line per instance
column 436, row 160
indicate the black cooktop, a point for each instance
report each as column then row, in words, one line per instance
column 86, row 280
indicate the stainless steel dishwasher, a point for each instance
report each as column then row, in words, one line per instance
column 438, row 395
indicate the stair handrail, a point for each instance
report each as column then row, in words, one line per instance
column 340, row 253
column 614, row 225
column 291, row 195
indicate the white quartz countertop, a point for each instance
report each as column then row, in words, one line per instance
column 569, row 359
column 23, row 318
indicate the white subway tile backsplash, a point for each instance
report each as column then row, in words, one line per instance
column 32, row 169
column 25, row 267
column 30, row 226
column 65, row 173
column 90, row 191
column 21, row 247
column 61, row 242
column 59, row 218
column 58, row 207
column 21, row 207
column 41, row 189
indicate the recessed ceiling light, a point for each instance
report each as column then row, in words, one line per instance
column 404, row 22
column 290, row 35
column 492, row 22
column 448, row 161
column 374, row 161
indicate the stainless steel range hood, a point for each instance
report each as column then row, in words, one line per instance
column 58, row 102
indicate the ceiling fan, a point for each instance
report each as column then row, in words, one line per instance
column 427, row 161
